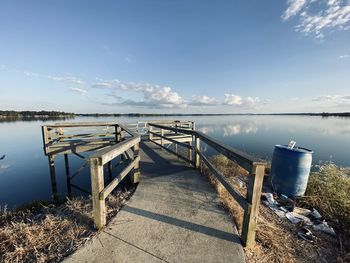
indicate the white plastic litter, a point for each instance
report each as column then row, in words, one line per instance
column 270, row 199
column 316, row 214
column 296, row 218
column 291, row 144
column 324, row 227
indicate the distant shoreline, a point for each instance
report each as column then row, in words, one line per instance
column 59, row 114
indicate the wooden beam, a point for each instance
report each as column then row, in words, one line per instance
column 171, row 140
column 97, row 186
column 112, row 185
column 236, row 195
column 113, row 151
column 51, row 159
column 197, row 156
column 66, row 162
column 176, row 154
column 253, row 198
column 136, row 171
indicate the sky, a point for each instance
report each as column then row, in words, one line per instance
column 175, row 56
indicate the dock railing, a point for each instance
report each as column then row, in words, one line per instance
column 255, row 167
column 105, row 156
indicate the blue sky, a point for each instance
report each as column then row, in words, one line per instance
column 175, row 56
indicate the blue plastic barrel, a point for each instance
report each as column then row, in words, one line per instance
column 290, row 170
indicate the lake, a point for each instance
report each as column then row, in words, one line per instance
column 24, row 172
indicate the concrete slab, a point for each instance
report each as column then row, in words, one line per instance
column 174, row 216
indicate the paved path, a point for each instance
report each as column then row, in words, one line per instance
column 174, row 216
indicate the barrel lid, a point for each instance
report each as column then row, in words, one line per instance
column 295, row 149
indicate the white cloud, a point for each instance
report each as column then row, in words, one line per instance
column 294, row 6
column 153, row 95
column 30, row 74
column 78, row 90
column 67, row 78
column 203, row 101
column 333, row 100
column 231, row 99
column 343, row 56
column 326, row 15
column 2, row 66
column 235, row 100
column 326, row 98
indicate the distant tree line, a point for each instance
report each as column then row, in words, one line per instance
column 33, row 114
column 58, row 114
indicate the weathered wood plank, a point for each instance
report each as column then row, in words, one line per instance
column 170, row 140
column 136, row 171
column 241, row 158
column 112, row 185
column 197, row 156
column 250, row 219
column 97, row 186
column 237, row 196
column 176, row 154
column 81, row 124
column 113, row 151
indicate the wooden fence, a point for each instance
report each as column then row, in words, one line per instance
column 255, row 167
column 102, row 157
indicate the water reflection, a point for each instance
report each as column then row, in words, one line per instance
column 4, row 167
column 25, row 173
column 230, row 130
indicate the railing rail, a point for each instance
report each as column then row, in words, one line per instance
column 98, row 159
column 254, row 166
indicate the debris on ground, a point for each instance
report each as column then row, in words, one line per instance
column 285, row 208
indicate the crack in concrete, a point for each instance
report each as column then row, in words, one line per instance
column 137, row 247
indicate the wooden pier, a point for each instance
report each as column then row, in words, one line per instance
column 110, row 141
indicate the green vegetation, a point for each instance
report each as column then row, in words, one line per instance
column 33, row 114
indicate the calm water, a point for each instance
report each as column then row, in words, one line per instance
column 24, row 172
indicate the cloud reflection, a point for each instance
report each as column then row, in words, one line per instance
column 235, row 129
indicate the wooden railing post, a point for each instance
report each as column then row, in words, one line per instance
column 97, row 185
column 161, row 138
column 136, row 170
column 150, row 129
column 190, row 151
column 253, row 198
column 51, row 159
column 45, row 133
column 197, row 149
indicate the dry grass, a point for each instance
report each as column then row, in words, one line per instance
column 47, row 232
column 277, row 239
column 329, row 192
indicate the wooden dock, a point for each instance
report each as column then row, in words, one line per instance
column 174, row 215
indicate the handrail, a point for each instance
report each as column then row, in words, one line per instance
column 254, row 166
column 105, row 156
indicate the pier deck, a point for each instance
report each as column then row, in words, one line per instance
column 174, row 216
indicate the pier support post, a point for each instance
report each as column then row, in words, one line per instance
column 136, row 171
column 161, row 138
column 150, row 130
column 250, row 218
column 197, row 150
column 110, row 171
column 66, row 163
column 97, row 185
column 51, row 159
column 190, row 151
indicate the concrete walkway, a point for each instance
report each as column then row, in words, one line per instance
column 174, row 216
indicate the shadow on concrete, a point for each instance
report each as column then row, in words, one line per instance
column 185, row 224
column 163, row 165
